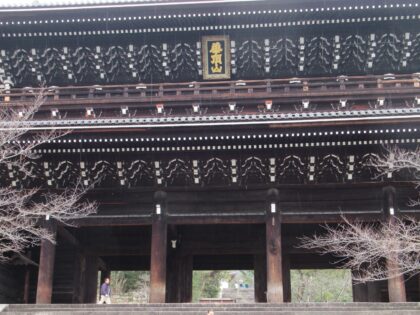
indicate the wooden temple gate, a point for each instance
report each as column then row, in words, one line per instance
column 223, row 173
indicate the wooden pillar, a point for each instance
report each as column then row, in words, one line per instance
column 185, row 279
column 91, row 279
column 172, row 277
column 260, row 278
column 173, row 263
column 158, row 261
column 79, row 278
column 46, row 267
column 27, row 285
column 374, row 291
column 359, row 289
column 287, row 282
column 418, row 288
column 274, row 250
column 396, row 283
column 360, row 292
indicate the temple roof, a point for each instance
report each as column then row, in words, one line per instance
column 49, row 4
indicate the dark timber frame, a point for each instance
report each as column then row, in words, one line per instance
column 195, row 175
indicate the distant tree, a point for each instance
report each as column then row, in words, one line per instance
column 321, row 286
column 206, row 284
column 22, row 209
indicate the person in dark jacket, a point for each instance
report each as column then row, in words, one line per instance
column 105, row 292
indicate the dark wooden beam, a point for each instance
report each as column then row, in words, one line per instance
column 332, row 217
column 91, row 279
column 396, row 283
column 260, row 278
column 158, row 261
column 26, row 286
column 287, row 282
column 46, row 267
column 359, row 290
column 274, row 259
column 185, row 279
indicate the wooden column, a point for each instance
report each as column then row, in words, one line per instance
column 172, row 276
column 27, row 284
column 396, row 283
column 91, row 279
column 158, row 258
column 287, row 282
column 79, row 278
column 260, row 278
column 359, row 290
column 374, row 291
column 185, row 279
column 173, row 264
column 274, row 250
column 46, row 267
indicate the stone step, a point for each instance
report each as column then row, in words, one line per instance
column 220, row 309
column 218, row 305
column 241, row 309
column 232, row 312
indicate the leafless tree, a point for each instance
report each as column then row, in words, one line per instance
column 380, row 250
column 366, row 247
column 396, row 160
column 22, row 209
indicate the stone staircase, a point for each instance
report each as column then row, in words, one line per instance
column 218, row 309
column 241, row 295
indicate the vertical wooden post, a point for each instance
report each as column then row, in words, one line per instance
column 172, row 277
column 274, row 261
column 287, row 282
column 185, row 279
column 374, row 291
column 27, row 285
column 79, row 278
column 91, row 279
column 260, row 278
column 46, row 267
column 158, row 262
column 359, row 290
column 418, row 287
column 396, row 283
column 274, row 250
column 173, row 264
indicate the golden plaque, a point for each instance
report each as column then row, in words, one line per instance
column 216, row 57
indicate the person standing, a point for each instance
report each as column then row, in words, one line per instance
column 105, row 292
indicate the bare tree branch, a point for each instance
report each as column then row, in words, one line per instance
column 396, row 160
column 21, row 209
column 370, row 250
column 364, row 248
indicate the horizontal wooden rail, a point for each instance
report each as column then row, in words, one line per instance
column 190, row 91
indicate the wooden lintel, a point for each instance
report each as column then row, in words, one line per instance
column 233, row 219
